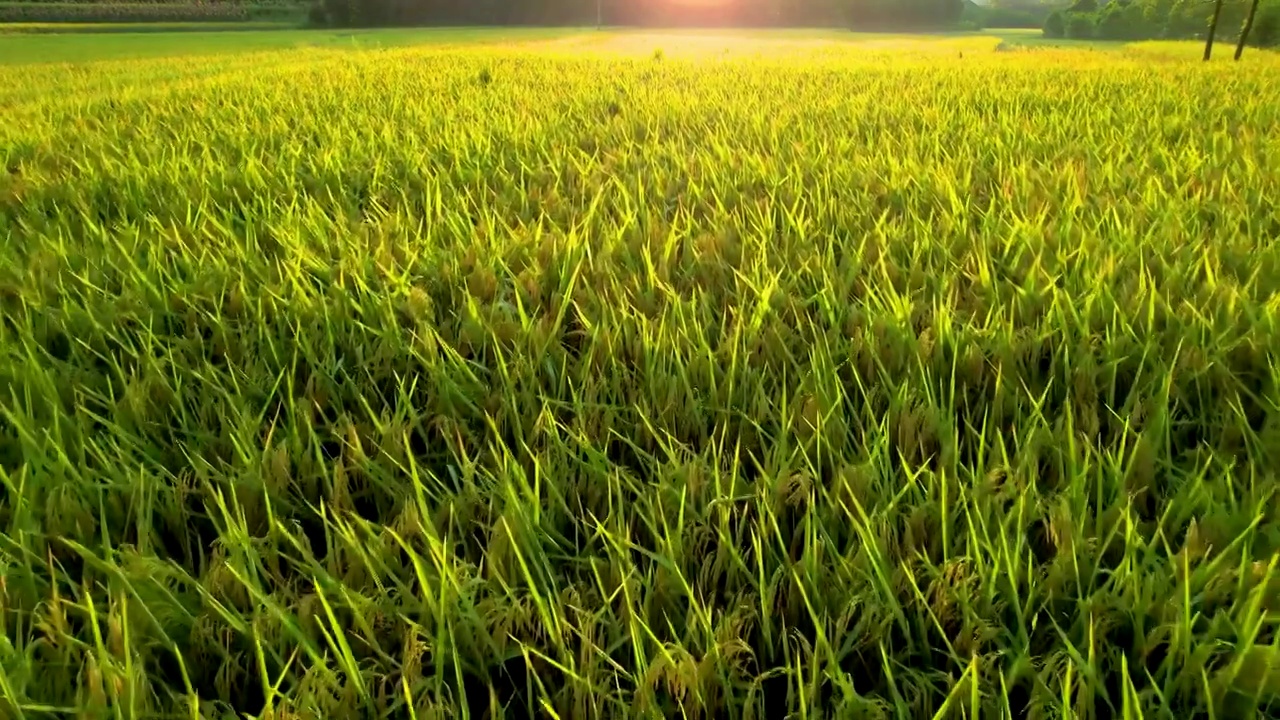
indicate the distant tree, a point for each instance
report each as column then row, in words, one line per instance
column 1011, row 13
column 1121, row 20
column 1081, row 26
column 904, row 14
column 1185, row 19
column 1055, row 26
column 1266, row 27
column 1155, row 14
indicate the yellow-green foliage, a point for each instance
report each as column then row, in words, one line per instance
column 142, row 12
column 760, row 375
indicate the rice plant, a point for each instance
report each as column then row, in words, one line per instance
column 777, row 378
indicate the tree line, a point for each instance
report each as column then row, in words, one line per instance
column 863, row 14
column 1084, row 19
column 1167, row 19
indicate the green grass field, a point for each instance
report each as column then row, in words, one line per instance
column 597, row 375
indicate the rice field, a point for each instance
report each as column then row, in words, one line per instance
column 641, row 375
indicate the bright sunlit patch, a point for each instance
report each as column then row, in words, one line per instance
column 794, row 46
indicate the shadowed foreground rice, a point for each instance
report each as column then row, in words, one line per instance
column 864, row 382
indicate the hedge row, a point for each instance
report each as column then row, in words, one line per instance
column 256, row 3
column 115, row 12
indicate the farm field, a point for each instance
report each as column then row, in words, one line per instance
column 638, row 374
column 30, row 43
